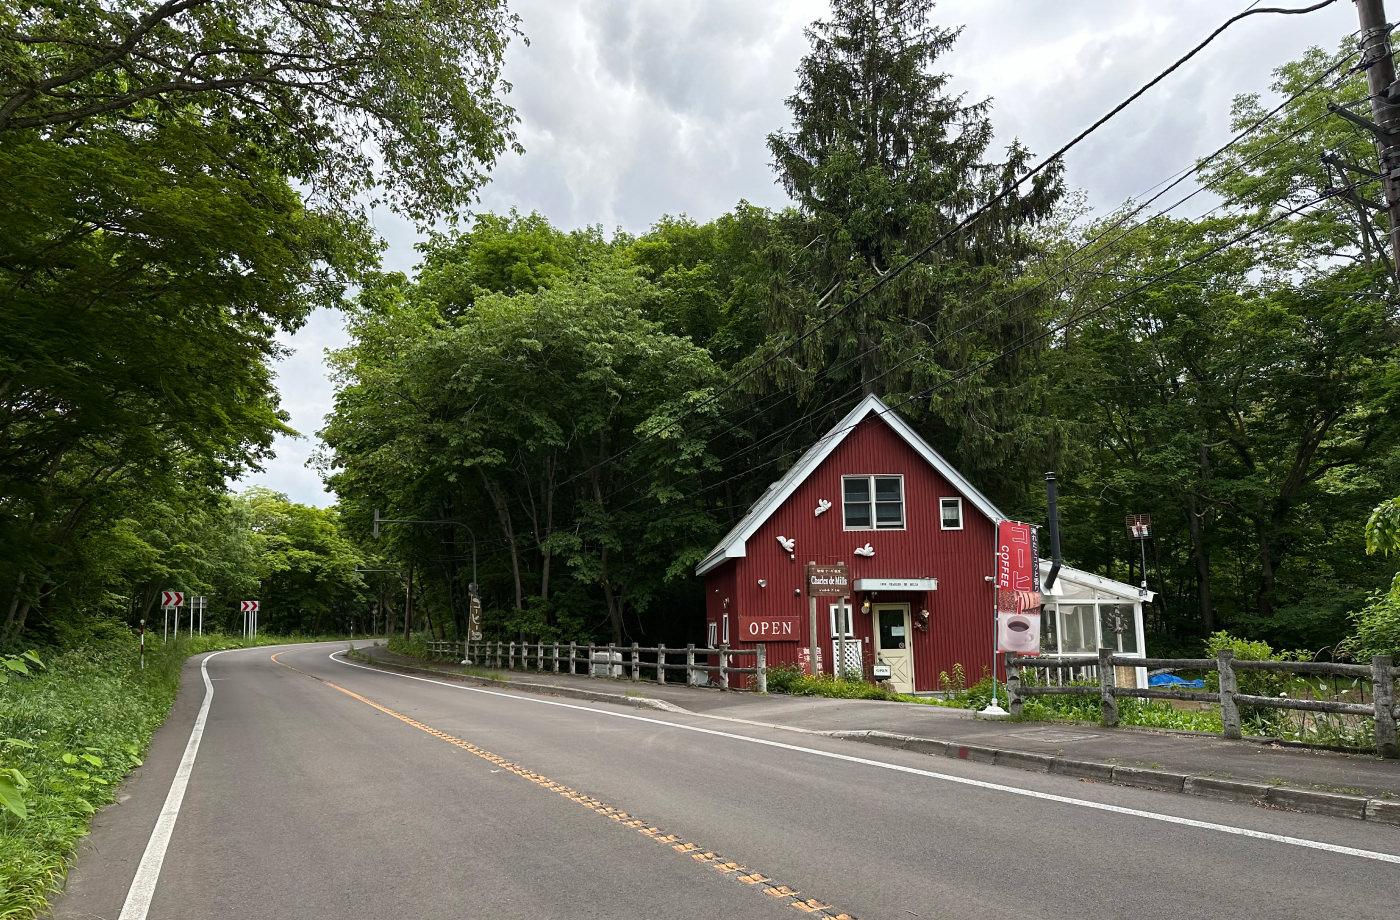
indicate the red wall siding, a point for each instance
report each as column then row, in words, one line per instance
column 961, row 614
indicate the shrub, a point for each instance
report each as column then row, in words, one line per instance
column 1375, row 629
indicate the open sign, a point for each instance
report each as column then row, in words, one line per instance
column 770, row 628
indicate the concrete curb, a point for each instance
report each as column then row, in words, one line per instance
column 636, row 702
column 1308, row 801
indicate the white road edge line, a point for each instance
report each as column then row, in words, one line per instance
column 898, row 768
column 143, row 886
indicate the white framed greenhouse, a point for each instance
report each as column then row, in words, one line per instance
column 1086, row 612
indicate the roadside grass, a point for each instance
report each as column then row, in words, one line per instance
column 71, row 730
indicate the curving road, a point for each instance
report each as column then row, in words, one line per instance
column 317, row 788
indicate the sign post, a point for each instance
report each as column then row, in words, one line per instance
column 250, row 618
column 473, row 624
column 825, row 581
column 143, row 645
column 171, row 600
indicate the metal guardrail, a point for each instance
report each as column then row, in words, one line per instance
column 1381, row 672
column 612, row 661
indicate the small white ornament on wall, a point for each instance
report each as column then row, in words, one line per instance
column 786, row 543
column 867, row 551
column 822, row 506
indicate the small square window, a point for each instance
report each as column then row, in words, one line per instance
column 951, row 511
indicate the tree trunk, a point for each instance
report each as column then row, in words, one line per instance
column 408, row 604
column 1267, row 598
column 503, row 515
column 614, row 607
column 1194, row 515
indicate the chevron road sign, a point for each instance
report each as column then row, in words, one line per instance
column 172, row 598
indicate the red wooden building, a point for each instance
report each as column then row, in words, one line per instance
column 919, row 540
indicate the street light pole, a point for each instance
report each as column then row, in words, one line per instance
column 471, row 588
column 383, row 520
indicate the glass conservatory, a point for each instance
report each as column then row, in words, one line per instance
column 1084, row 613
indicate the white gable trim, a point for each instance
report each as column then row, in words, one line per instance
column 734, row 543
column 1116, row 590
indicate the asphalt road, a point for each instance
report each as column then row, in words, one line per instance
column 322, row 789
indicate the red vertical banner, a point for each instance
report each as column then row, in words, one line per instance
column 1018, row 588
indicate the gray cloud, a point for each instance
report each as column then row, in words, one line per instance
column 631, row 109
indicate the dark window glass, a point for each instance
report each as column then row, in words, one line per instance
column 873, row 502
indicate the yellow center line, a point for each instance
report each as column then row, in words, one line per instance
column 699, row 854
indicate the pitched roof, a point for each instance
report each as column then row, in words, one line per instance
column 1115, row 589
column 733, row 544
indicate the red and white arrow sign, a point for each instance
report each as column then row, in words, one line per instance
column 248, row 606
column 172, row 598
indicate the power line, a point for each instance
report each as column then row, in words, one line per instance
column 1047, row 333
column 959, row 227
column 1170, row 182
column 1067, row 265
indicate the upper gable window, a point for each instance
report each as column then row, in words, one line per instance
column 950, row 510
column 873, row 502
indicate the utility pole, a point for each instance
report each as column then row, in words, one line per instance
column 1379, row 64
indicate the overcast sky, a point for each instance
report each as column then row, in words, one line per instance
column 634, row 109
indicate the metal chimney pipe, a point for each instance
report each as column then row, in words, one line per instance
column 1053, row 508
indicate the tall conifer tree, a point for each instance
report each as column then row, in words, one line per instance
column 882, row 158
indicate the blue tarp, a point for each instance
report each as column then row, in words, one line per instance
column 1171, row 680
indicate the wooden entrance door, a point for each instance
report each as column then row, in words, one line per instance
column 894, row 645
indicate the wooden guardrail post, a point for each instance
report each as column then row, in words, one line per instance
column 510, row 657
column 636, row 663
column 1383, row 698
column 1014, row 703
column 724, row 667
column 660, row 663
column 690, row 665
column 761, row 665
column 1229, row 686
column 1108, row 681
column 573, row 653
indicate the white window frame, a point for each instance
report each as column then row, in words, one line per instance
column 726, row 629
column 850, row 620
column 714, row 634
column 946, row 503
column 874, row 524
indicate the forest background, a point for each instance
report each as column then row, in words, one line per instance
column 592, row 410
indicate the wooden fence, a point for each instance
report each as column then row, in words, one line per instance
column 616, row 661
column 1380, row 671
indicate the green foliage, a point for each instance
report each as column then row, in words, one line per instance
column 884, row 160
column 791, row 680
column 319, row 91
column 181, row 182
column 1256, row 720
column 785, row 678
column 1375, row 629
column 415, row 646
column 978, row 696
column 1383, row 528
column 540, row 422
